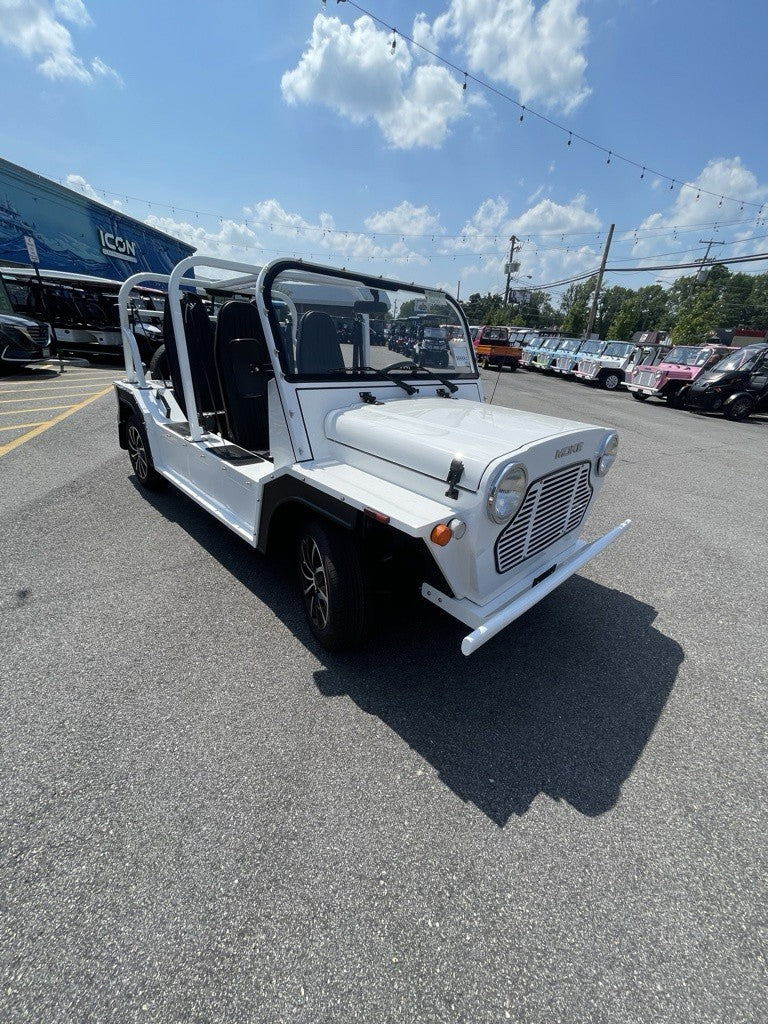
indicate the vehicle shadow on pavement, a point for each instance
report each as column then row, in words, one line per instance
column 561, row 703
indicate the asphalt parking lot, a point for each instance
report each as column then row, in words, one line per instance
column 206, row 818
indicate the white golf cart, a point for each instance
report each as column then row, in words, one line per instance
column 282, row 421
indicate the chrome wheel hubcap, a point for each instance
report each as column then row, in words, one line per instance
column 137, row 452
column 314, row 582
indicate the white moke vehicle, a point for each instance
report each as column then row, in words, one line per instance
column 281, row 424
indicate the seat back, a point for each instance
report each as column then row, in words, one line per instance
column 317, row 346
column 244, row 369
column 198, row 331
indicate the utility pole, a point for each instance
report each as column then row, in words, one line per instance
column 709, row 242
column 512, row 242
column 601, row 271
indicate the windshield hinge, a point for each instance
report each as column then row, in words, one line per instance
column 455, row 474
column 443, row 393
column 369, row 398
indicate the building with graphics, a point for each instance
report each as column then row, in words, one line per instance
column 75, row 234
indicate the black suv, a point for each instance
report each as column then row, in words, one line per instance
column 737, row 386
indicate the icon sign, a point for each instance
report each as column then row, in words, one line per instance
column 31, row 249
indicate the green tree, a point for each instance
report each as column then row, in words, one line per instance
column 574, row 307
column 623, row 325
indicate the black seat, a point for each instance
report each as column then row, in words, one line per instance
column 199, row 333
column 244, row 369
column 317, row 347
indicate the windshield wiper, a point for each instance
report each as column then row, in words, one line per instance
column 425, row 369
column 408, row 388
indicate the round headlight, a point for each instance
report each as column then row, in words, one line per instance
column 507, row 492
column 606, row 453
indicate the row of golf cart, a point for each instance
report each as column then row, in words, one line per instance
column 705, row 378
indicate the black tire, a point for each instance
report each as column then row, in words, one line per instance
column 159, row 367
column 332, row 584
column 513, row 365
column 611, row 381
column 140, row 455
column 740, row 409
column 675, row 400
column 639, row 396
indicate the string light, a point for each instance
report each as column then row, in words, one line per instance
column 542, row 117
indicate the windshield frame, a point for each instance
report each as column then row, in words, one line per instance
column 379, row 284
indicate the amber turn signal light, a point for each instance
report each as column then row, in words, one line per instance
column 441, row 534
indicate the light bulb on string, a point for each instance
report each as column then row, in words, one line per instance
column 394, row 41
column 570, row 139
column 642, row 174
column 464, row 87
column 610, row 154
column 672, row 185
column 522, row 112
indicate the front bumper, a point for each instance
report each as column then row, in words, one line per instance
column 489, row 619
column 706, row 401
column 651, row 392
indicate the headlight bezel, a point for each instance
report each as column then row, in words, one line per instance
column 605, row 458
column 492, row 499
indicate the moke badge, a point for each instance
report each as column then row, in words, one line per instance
column 569, row 449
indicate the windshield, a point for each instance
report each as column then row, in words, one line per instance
column 570, row 345
column 618, row 348
column 744, row 359
column 687, row 356
column 591, row 348
column 550, row 343
column 325, row 326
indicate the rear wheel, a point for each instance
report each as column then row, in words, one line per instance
column 740, row 409
column 140, row 455
column 332, row 584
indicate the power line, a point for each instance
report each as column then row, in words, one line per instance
column 524, row 109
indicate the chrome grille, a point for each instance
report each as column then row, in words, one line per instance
column 588, row 366
column 552, row 507
column 563, row 362
column 646, row 378
column 38, row 333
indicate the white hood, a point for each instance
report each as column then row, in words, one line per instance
column 426, row 434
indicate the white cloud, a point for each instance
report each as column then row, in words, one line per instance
column 548, row 243
column 232, row 241
column 405, row 219
column 104, row 70
column 723, row 177
column 353, row 70
column 326, row 238
column 537, row 51
column 74, row 11
column 78, row 182
column 33, row 28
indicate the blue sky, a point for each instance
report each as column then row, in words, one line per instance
column 294, row 128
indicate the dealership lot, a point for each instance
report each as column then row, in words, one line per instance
column 204, row 817
column 37, row 398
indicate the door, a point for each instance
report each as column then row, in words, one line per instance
column 758, row 379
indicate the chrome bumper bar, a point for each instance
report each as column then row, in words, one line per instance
column 490, row 619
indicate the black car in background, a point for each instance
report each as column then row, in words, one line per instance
column 737, row 386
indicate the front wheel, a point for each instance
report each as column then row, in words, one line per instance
column 611, row 381
column 639, row 396
column 332, row 584
column 739, row 409
column 140, row 455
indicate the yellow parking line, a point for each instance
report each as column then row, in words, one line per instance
column 46, row 398
column 39, row 408
column 4, row 449
column 58, row 391
column 23, row 426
